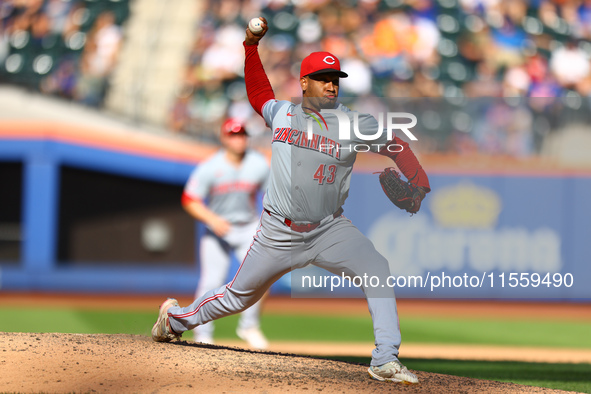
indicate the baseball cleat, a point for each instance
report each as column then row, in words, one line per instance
column 162, row 332
column 254, row 337
column 393, row 371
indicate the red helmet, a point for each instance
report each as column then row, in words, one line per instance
column 233, row 126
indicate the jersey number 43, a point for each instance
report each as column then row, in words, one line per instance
column 325, row 174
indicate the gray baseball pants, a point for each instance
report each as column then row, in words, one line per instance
column 215, row 264
column 336, row 245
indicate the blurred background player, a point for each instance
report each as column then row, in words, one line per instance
column 230, row 181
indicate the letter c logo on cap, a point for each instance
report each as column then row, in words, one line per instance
column 329, row 60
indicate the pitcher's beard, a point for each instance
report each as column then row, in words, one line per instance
column 321, row 102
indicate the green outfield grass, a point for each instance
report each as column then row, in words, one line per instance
column 284, row 327
column 496, row 331
column 571, row 377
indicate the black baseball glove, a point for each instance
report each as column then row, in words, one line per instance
column 404, row 195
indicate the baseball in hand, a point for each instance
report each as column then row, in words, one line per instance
column 255, row 25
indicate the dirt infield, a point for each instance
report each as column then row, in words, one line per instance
column 130, row 363
column 431, row 351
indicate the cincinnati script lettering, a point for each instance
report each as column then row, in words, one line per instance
column 300, row 139
column 232, row 187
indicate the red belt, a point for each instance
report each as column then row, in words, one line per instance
column 304, row 228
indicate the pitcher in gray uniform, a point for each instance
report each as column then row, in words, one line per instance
column 221, row 193
column 303, row 222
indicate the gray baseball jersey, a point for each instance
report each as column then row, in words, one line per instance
column 312, row 181
column 309, row 182
column 231, row 190
column 311, row 165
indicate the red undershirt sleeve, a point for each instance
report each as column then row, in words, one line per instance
column 186, row 199
column 258, row 87
column 408, row 163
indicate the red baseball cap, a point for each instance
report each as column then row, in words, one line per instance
column 233, row 126
column 321, row 62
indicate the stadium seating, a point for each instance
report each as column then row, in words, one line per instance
column 180, row 66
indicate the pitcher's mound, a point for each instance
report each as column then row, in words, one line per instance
column 131, row 363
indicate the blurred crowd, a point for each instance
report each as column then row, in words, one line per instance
column 66, row 48
column 452, row 54
column 443, row 50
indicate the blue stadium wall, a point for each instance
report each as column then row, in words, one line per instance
column 495, row 230
column 38, row 268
